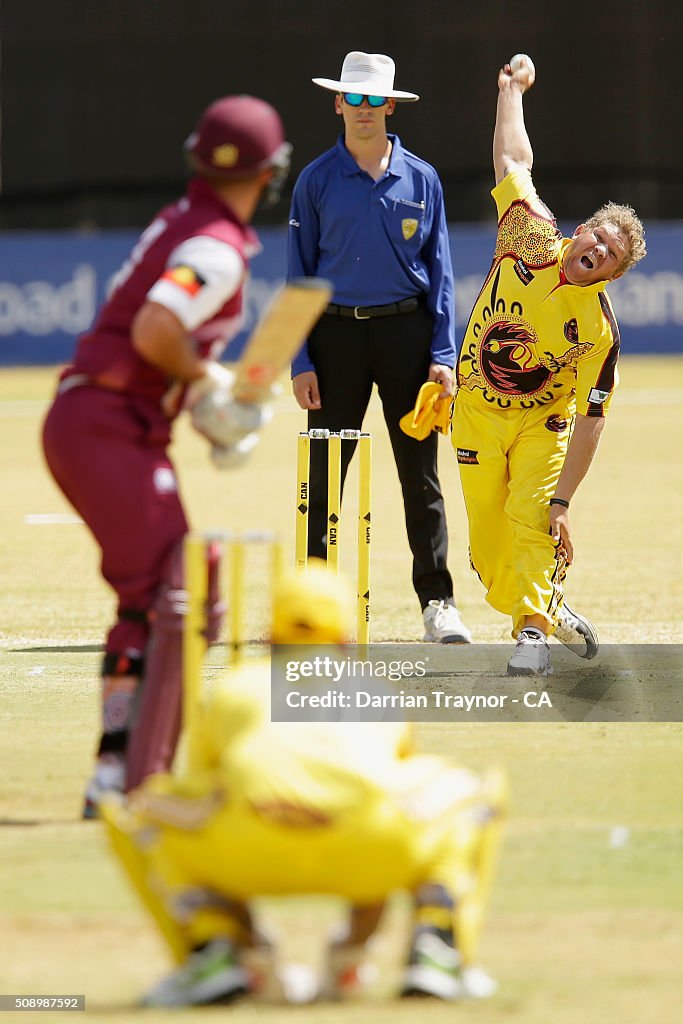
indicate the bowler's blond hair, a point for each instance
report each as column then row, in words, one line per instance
column 624, row 218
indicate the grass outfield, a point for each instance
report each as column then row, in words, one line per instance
column 581, row 931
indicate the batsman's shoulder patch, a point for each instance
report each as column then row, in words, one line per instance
column 597, row 397
column 467, row 457
column 185, row 277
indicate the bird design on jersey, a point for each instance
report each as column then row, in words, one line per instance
column 508, row 362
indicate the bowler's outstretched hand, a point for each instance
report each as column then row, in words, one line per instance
column 520, row 71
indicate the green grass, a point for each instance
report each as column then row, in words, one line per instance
column 579, row 932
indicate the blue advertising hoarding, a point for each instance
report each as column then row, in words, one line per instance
column 52, row 284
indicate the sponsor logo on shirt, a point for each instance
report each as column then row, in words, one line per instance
column 556, row 423
column 294, row 223
column 408, row 227
column 185, row 277
column 571, row 330
column 523, row 272
column 467, row 457
column 597, row 397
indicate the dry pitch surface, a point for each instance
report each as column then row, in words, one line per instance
column 586, row 923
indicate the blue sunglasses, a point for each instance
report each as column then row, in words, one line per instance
column 355, row 99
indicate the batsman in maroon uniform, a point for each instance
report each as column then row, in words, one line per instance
column 152, row 349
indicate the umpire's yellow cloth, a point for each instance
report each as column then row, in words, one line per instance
column 430, row 413
column 509, row 462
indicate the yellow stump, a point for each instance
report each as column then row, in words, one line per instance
column 333, row 500
column 334, row 456
column 236, row 601
column 364, row 530
column 302, row 470
column 194, row 637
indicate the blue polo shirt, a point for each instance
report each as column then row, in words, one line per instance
column 377, row 241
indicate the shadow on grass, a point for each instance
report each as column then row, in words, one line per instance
column 29, row 822
column 70, row 648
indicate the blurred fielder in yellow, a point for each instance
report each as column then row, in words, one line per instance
column 340, row 808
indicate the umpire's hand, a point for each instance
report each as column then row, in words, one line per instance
column 443, row 375
column 305, row 387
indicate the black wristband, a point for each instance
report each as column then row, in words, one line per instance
column 559, row 501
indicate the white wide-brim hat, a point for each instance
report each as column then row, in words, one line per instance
column 371, row 74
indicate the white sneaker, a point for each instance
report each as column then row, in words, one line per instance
column 443, row 624
column 109, row 778
column 577, row 632
column 531, row 657
column 434, row 969
column 477, row 983
column 213, row 974
column 299, row 983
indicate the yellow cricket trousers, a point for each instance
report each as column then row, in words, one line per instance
column 509, row 462
column 429, row 828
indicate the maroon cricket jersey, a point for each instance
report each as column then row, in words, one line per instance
column 105, row 353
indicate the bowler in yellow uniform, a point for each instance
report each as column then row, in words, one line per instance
column 275, row 809
column 536, row 375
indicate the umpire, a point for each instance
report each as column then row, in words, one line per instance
column 369, row 216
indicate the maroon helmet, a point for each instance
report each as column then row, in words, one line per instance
column 238, row 136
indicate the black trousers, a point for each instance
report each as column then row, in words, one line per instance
column 395, row 353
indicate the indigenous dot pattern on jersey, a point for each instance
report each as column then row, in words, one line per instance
column 538, row 248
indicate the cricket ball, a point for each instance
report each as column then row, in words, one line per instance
column 519, row 60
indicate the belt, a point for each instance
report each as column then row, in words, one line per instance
column 369, row 312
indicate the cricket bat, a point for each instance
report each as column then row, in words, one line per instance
column 279, row 335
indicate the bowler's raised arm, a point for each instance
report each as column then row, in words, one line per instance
column 511, row 145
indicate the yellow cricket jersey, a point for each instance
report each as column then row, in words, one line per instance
column 532, row 337
column 292, row 773
column 278, row 808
